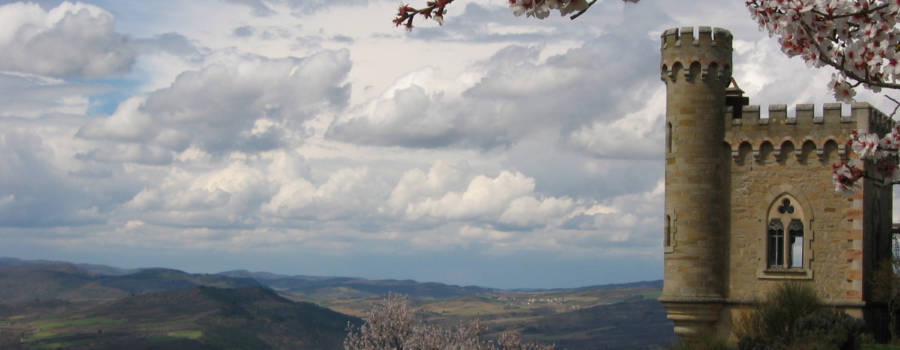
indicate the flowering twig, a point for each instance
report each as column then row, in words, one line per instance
column 858, row 38
column 433, row 9
column 530, row 8
column 880, row 153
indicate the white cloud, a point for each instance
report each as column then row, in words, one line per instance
column 225, row 196
column 484, row 197
column 454, row 194
column 638, row 134
column 511, row 96
column 346, row 193
column 34, row 192
column 70, row 40
column 237, row 103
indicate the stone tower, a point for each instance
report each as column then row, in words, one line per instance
column 749, row 197
column 696, row 70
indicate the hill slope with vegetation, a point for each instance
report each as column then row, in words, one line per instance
column 45, row 304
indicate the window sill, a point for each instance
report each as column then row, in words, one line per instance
column 785, row 273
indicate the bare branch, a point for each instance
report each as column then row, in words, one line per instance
column 895, row 107
column 579, row 13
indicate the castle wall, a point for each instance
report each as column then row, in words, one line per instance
column 777, row 155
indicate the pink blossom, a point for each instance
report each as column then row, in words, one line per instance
column 856, row 37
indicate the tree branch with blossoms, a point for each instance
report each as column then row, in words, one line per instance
column 879, row 152
column 530, row 8
column 858, row 38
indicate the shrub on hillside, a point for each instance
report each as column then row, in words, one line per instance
column 703, row 342
column 829, row 329
column 392, row 325
column 886, row 289
column 793, row 317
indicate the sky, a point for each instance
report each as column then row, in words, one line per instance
column 313, row 137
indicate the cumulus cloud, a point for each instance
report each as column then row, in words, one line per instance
column 240, row 103
column 511, row 96
column 34, row 192
column 638, row 134
column 346, row 193
column 455, row 193
column 227, row 196
column 70, row 40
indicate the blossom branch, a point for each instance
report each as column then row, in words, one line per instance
column 858, row 38
column 433, row 9
column 530, row 8
column 864, row 12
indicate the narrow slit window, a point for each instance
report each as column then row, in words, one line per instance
column 668, row 238
column 668, row 137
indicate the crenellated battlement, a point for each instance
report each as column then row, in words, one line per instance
column 802, row 134
column 705, row 37
column 705, row 54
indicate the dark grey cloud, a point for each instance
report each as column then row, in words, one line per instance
column 45, row 4
column 342, row 39
column 33, row 192
column 308, row 7
column 259, row 7
column 300, row 7
column 30, row 96
column 71, row 40
column 172, row 43
column 244, row 31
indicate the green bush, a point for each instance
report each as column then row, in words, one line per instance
column 793, row 317
column 829, row 329
column 702, row 342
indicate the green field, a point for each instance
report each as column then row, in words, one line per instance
column 880, row 347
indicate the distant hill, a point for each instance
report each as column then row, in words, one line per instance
column 311, row 287
column 195, row 318
column 633, row 324
column 28, row 281
column 90, row 268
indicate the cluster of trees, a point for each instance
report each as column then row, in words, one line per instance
column 393, row 325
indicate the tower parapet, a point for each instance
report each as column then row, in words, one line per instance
column 802, row 133
column 706, row 55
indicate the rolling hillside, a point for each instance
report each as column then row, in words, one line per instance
column 194, row 318
column 51, row 305
column 40, row 281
